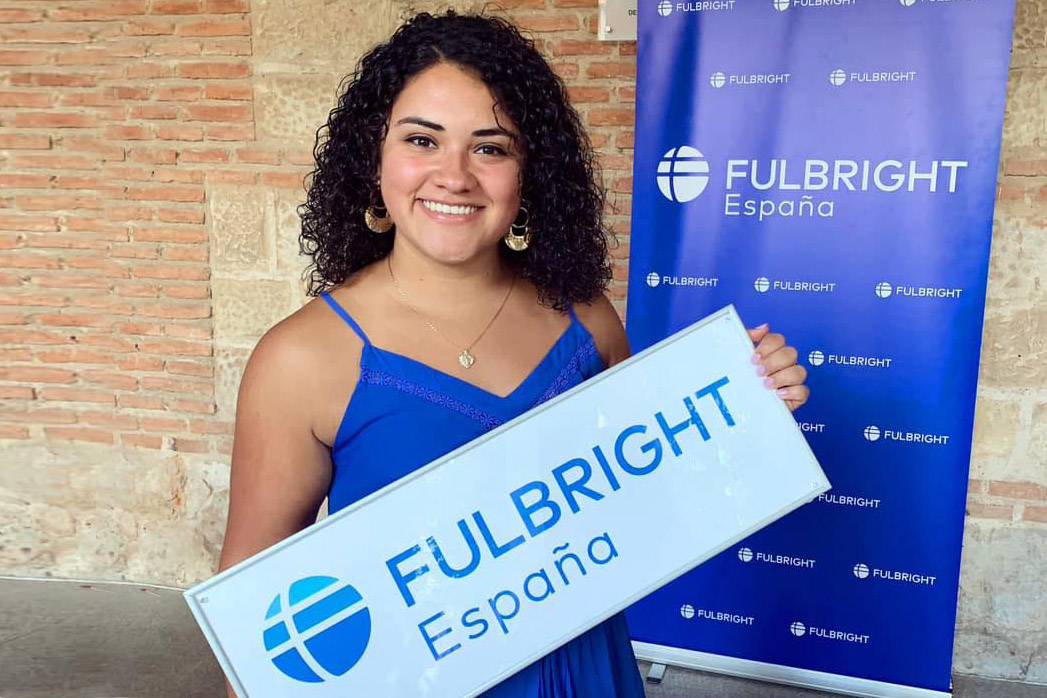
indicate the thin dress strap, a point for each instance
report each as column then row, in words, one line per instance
column 345, row 316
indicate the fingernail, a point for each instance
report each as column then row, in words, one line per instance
column 764, row 326
column 769, row 382
column 782, row 392
column 756, row 358
column 761, row 370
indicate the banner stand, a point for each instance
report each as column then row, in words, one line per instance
column 776, row 673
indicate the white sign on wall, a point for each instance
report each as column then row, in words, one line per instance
column 460, row 574
column 617, row 20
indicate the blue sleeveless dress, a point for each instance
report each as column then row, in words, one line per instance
column 404, row 414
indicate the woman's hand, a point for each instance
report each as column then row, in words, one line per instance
column 777, row 363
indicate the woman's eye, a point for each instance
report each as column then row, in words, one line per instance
column 490, row 149
column 422, row 141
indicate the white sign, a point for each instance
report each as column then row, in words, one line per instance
column 453, row 578
column 617, row 20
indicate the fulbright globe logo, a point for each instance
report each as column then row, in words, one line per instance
column 683, row 174
column 884, row 289
column 798, row 629
column 687, row 611
column 653, row 279
column 781, row 5
column 762, row 284
column 717, row 80
column 861, row 571
column 318, row 630
column 907, row 3
column 816, row 358
column 745, row 554
column 838, row 77
column 872, row 433
column 665, row 8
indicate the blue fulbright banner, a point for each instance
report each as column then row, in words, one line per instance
column 829, row 167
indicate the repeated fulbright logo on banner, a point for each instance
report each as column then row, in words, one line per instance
column 829, row 167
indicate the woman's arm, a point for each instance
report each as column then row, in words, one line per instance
column 280, row 471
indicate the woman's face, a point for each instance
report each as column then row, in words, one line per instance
column 450, row 171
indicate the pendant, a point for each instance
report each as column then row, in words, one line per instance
column 466, row 359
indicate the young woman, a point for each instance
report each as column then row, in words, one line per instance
column 454, row 225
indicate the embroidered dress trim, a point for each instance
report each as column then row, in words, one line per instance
column 583, row 354
column 487, row 420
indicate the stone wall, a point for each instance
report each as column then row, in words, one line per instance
column 152, row 154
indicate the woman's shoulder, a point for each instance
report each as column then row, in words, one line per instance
column 309, row 360
column 601, row 319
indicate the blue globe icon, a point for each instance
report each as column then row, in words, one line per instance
column 884, row 289
column 687, row 611
column 838, row 77
column 872, row 433
column 762, row 284
column 717, row 80
column 781, row 5
column 683, row 174
column 653, row 279
column 665, row 8
column 745, row 554
column 318, row 630
column 798, row 629
column 816, row 358
column 861, row 571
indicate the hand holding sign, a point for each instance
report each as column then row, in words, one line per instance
column 777, row 362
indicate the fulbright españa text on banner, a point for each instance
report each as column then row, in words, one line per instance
column 458, row 575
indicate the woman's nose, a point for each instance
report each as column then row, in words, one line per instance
column 454, row 173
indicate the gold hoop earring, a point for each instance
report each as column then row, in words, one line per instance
column 377, row 219
column 518, row 238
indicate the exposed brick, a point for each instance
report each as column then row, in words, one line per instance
column 10, row 431
column 179, row 132
column 180, row 93
column 23, row 57
column 1018, row 490
column 190, row 445
column 166, row 193
column 175, row 7
column 547, row 22
column 15, row 15
column 24, row 141
column 216, row 27
column 228, row 91
column 611, row 69
column 148, row 27
column 1037, row 514
column 990, row 511
column 226, row 6
column 101, row 397
column 34, row 223
column 79, row 434
column 214, row 69
column 97, row 11
column 142, row 440
column 16, row 392
column 36, row 374
column 153, row 112
column 109, row 419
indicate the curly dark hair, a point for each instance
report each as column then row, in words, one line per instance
column 567, row 258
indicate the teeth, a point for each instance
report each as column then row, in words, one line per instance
column 445, row 208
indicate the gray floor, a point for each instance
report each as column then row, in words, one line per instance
column 79, row 640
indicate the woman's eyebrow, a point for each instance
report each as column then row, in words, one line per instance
column 420, row 122
column 425, row 123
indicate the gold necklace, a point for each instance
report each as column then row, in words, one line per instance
column 465, row 359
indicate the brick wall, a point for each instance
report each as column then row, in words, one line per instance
column 152, row 154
